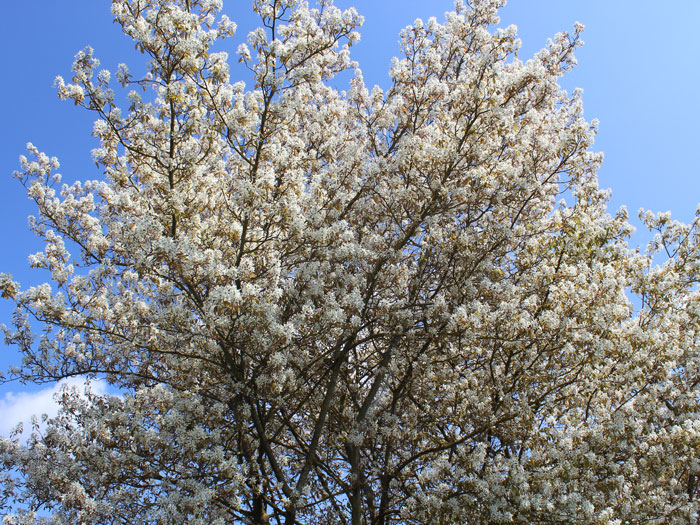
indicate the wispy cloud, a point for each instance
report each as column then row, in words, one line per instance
column 19, row 407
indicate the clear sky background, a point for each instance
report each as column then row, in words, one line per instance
column 638, row 69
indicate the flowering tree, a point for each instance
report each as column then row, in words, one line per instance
column 362, row 307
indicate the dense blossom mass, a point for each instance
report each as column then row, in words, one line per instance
column 314, row 306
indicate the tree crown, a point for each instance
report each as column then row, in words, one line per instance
column 373, row 306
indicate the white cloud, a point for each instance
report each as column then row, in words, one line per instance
column 19, row 407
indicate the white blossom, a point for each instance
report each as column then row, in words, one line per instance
column 406, row 305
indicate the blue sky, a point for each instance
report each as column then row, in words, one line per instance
column 638, row 70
